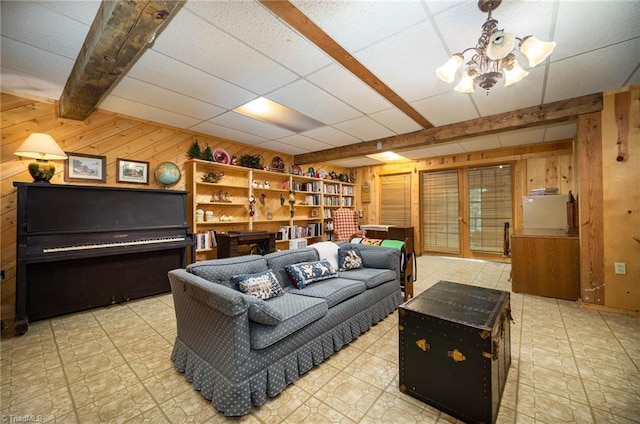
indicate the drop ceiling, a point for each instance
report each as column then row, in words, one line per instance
column 214, row 56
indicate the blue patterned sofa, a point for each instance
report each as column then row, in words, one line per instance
column 238, row 349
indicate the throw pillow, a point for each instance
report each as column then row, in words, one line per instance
column 349, row 259
column 309, row 272
column 263, row 285
column 263, row 313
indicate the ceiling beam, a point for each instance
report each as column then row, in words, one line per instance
column 550, row 113
column 121, row 31
column 301, row 23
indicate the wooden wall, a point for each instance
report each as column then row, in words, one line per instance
column 103, row 133
column 621, row 199
column 535, row 166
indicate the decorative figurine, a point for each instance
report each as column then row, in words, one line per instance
column 212, row 177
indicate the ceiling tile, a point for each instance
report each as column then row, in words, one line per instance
column 83, row 11
column 142, row 111
column 560, row 132
column 310, row 100
column 403, row 60
column 222, row 56
column 250, row 125
column 358, row 24
column 418, row 153
column 437, row 109
column 521, row 137
column 43, row 28
column 477, row 144
column 523, row 94
column 364, row 128
column 396, row 121
column 355, row 162
column 351, row 90
column 596, row 71
column 32, row 61
column 158, row 69
column 574, row 37
column 256, row 26
column 216, row 130
column 14, row 82
column 132, row 89
column 278, row 146
column 305, row 144
column 331, row 136
column 446, row 149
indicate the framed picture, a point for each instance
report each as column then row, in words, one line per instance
column 131, row 171
column 85, row 168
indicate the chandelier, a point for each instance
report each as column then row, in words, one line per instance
column 494, row 58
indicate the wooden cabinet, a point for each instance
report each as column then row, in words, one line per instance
column 224, row 205
column 546, row 263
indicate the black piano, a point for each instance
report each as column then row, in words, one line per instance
column 81, row 247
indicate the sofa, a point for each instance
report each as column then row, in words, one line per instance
column 239, row 343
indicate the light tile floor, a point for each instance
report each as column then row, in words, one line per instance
column 569, row 364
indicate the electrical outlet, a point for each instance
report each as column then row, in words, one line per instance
column 620, row 267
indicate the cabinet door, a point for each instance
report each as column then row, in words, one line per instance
column 546, row 266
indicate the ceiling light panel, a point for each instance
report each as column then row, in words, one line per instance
column 274, row 113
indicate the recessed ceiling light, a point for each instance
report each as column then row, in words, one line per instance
column 274, row 113
column 387, row 156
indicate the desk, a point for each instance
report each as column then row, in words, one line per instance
column 546, row 263
column 228, row 242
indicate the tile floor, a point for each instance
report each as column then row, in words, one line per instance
column 569, row 364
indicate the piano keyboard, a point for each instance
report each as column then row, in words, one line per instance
column 116, row 244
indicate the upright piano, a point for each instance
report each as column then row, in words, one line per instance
column 81, row 247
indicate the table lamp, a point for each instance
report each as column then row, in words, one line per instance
column 43, row 148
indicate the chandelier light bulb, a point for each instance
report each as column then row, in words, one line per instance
column 466, row 85
column 515, row 74
column 535, row 50
column 447, row 72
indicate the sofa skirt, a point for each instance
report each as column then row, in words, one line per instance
column 237, row 398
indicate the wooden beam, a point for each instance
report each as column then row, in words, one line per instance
column 551, row 113
column 121, row 31
column 299, row 21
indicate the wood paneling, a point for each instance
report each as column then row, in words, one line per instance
column 104, row 133
column 591, row 212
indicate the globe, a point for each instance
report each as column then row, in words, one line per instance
column 167, row 174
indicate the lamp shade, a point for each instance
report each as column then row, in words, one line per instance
column 40, row 146
column 535, row 50
column 515, row 74
column 466, row 84
column 447, row 72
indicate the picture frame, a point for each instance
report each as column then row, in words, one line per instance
column 132, row 171
column 82, row 167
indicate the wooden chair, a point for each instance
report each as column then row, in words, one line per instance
column 408, row 274
column 346, row 225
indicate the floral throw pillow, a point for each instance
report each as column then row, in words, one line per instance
column 309, row 272
column 349, row 259
column 263, row 285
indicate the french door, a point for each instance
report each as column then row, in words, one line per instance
column 464, row 210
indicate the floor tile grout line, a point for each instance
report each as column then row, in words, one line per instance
column 573, row 355
column 64, row 372
column 155, row 401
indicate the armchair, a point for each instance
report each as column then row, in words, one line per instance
column 345, row 224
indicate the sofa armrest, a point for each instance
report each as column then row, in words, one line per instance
column 224, row 299
column 212, row 320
